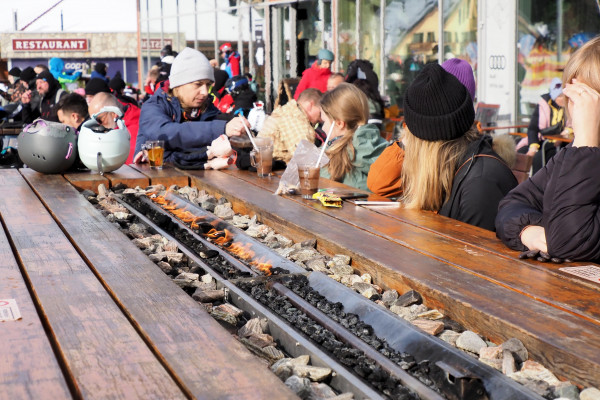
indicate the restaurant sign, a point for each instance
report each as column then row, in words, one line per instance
column 50, row 44
column 156, row 44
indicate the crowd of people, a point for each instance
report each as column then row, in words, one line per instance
column 443, row 162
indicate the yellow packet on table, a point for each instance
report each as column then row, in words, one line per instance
column 328, row 199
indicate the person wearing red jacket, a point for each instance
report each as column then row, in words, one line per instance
column 232, row 60
column 317, row 75
column 131, row 116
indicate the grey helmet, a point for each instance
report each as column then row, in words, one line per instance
column 48, row 147
column 101, row 149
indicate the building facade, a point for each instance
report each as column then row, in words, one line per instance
column 514, row 46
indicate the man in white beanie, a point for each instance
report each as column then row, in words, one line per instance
column 183, row 115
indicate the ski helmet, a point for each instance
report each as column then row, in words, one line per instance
column 102, row 149
column 48, row 147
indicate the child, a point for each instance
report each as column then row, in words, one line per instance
column 555, row 215
column 72, row 110
column 353, row 144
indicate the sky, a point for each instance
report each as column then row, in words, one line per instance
column 78, row 15
column 115, row 16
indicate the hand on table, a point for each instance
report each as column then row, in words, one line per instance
column 534, row 238
column 139, row 158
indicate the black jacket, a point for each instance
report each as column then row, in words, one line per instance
column 481, row 181
column 564, row 198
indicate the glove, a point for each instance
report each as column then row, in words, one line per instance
column 541, row 256
column 220, row 147
column 217, row 163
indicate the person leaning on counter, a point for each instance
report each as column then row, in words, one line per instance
column 183, row 115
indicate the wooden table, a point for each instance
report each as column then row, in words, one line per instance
column 460, row 269
column 99, row 319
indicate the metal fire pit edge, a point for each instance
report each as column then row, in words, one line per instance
column 404, row 337
column 291, row 341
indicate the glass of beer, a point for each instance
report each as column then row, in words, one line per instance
column 154, row 151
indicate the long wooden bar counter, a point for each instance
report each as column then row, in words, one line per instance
column 460, row 269
column 100, row 319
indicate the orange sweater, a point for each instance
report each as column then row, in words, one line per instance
column 385, row 174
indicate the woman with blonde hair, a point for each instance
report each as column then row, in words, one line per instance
column 448, row 166
column 555, row 215
column 353, row 144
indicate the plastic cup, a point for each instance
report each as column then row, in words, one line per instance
column 155, row 151
column 262, row 157
column 309, row 180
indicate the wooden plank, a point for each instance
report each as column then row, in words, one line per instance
column 100, row 350
column 127, row 176
column 86, row 180
column 203, row 357
column 167, row 176
column 472, row 240
column 28, row 366
column 562, row 341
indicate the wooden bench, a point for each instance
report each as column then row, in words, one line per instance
column 461, row 269
column 108, row 323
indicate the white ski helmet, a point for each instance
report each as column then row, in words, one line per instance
column 102, row 149
column 48, row 147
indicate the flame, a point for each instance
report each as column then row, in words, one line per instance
column 262, row 265
column 242, row 250
column 160, row 200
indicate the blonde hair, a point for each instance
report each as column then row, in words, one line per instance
column 584, row 65
column 349, row 104
column 429, row 168
column 154, row 72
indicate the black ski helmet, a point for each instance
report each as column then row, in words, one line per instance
column 48, row 147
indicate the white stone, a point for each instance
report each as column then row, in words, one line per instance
column 590, row 394
column 470, row 341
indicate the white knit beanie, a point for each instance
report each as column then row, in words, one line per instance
column 190, row 66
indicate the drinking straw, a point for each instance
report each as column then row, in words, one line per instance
column 249, row 134
column 324, row 145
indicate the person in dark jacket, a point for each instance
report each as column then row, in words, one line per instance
column 239, row 98
column 184, row 116
column 50, row 93
column 117, row 86
column 448, row 166
column 100, row 70
column 555, row 215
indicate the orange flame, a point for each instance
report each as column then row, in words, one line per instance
column 262, row 265
column 241, row 250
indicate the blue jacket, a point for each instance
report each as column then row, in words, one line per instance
column 96, row 74
column 161, row 119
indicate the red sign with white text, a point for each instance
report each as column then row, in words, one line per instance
column 50, row 44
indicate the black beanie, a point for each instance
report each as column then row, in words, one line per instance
column 437, row 106
column 100, row 68
column 47, row 76
column 15, row 71
column 117, row 83
column 27, row 75
column 95, row 86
